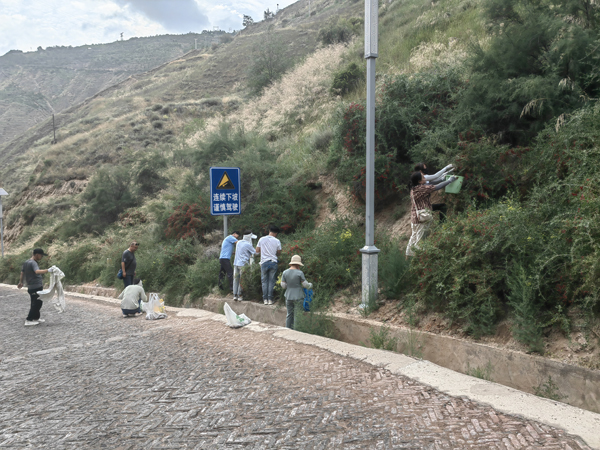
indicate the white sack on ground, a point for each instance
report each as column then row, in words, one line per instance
column 55, row 288
column 233, row 320
column 153, row 308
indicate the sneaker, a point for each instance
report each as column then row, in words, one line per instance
column 240, row 299
column 270, row 302
column 125, row 316
column 28, row 323
column 235, row 299
column 266, row 302
column 41, row 320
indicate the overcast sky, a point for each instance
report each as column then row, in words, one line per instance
column 27, row 24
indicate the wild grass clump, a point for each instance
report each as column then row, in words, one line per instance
column 383, row 338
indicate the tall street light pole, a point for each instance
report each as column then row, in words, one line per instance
column 369, row 251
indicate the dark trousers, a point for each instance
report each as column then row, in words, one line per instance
column 131, row 311
column 36, row 303
column 226, row 270
column 128, row 280
column 441, row 207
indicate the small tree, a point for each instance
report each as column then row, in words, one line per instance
column 247, row 21
column 268, row 63
column 268, row 14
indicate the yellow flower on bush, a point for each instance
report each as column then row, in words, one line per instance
column 278, row 282
column 346, row 234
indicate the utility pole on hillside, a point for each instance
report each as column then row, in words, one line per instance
column 2, row 194
column 369, row 251
column 53, row 130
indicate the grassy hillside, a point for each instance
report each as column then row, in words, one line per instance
column 33, row 85
column 503, row 89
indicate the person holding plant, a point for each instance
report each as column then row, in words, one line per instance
column 131, row 297
column 244, row 251
column 293, row 280
column 225, row 259
column 420, row 211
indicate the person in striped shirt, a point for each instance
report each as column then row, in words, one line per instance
column 269, row 249
column 420, row 199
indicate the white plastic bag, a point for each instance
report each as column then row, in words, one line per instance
column 153, row 307
column 233, row 320
column 56, row 287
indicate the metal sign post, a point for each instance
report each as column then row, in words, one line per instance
column 2, row 194
column 225, row 198
column 369, row 251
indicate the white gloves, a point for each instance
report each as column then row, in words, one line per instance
column 307, row 285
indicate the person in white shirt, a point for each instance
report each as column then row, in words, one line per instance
column 269, row 248
column 244, row 251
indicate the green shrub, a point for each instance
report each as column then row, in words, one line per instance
column 394, row 269
column 526, row 327
column 347, row 79
column 338, row 31
column 108, row 194
column 483, row 373
column 268, row 62
column 11, row 265
column 202, row 277
column 549, row 389
column 382, row 339
column 330, row 255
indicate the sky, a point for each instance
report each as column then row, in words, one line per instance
column 27, row 24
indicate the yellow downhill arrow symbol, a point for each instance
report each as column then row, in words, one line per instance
column 225, row 182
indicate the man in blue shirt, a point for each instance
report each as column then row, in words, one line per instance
column 225, row 258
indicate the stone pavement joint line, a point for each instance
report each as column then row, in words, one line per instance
column 90, row 379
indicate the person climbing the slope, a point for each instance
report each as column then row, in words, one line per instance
column 420, row 201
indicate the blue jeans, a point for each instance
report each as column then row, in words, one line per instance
column 268, row 275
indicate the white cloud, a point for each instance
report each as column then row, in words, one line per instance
column 27, row 24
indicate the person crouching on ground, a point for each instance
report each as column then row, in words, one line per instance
column 131, row 297
column 244, row 251
column 293, row 280
column 35, row 283
column 420, row 195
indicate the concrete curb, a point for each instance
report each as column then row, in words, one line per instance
column 575, row 421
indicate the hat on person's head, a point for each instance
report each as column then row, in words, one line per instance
column 296, row 260
column 39, row 251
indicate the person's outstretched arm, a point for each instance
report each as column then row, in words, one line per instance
column 444, row 184
column 439, row 174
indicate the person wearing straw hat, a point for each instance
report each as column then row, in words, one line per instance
column 293, row 280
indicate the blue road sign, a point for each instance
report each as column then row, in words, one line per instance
column 225, row 191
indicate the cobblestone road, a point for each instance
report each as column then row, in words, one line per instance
column 89, row 379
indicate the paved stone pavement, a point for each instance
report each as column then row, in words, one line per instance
column 89, row 379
